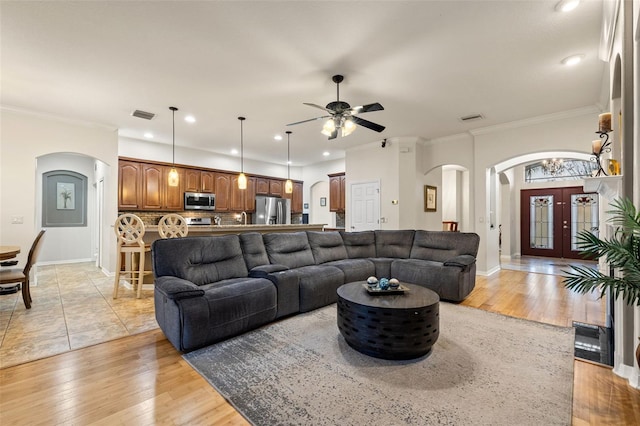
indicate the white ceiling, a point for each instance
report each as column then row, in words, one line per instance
column 427, row 62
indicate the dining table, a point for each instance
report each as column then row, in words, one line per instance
column 8, row 252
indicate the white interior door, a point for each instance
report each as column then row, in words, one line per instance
column 365, row 206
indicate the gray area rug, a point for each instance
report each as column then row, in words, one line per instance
column 485, row 369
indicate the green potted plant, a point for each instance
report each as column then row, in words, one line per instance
column 622, row 251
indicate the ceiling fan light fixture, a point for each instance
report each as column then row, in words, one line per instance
column 329, row 127
column 348, row 127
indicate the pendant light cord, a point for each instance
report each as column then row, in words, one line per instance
column 173, row 113
column 241, row 145
column 288, row 155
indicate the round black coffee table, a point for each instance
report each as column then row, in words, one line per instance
column 399, row 326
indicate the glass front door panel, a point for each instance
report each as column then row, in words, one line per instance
column 541, row 226
column 584, row 216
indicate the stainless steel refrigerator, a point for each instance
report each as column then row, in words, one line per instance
column 272, row 211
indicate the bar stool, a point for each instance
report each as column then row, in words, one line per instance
column 130, row 230
column 172, row 226
column 449, row 225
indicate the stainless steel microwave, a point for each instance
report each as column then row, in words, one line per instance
column 199, row 201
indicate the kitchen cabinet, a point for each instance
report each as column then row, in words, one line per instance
column 276, row 187
column 143, row 186
column 262, row 186
column 207, row 182
column 223, row 191
column 199, row 181
column 243, row 200
column 129, row 185
column 295, row 197
column 337, row 192
column 156, row 193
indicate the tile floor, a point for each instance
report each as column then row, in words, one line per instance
column 72, row 308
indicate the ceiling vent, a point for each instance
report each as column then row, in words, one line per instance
column 472, row 117
column 143, row 114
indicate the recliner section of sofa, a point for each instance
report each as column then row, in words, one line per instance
column 211, row 288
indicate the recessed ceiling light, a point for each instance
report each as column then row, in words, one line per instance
column 278, row 137
column 326, row 153
column 148, row 135
column 234, row 151
column 572, row 60
column 289, row 162
column 567, row 5
column 190, row 119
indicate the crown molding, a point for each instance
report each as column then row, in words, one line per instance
column 592, row 109
column 58, row 118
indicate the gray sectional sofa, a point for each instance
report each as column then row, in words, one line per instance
column 210, row 288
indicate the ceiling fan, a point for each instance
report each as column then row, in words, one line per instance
column 342, row 117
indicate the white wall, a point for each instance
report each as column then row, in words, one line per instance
column 153, row 151
column 27, row 136
column 318, row 213
column 571, row 130
column 370, row 162
column 67, row 244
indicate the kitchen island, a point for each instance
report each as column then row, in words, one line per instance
column 151, row 231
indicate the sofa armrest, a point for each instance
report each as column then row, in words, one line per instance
column 177, row 288
column 461, row 261
column 263, row 270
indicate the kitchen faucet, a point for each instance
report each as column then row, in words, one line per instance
column 245, row 217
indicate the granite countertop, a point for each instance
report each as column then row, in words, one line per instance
column 247, row 227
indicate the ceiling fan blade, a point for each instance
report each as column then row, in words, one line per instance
column 367, row 124
column 318, row 106
column 366, row 108
column 311, row 119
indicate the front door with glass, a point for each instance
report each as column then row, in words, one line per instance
column 552, row 219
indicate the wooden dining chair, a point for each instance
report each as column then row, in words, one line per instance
column 17, row 276
column 129, row 231
column 172, row 226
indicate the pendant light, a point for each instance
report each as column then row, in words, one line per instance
column 242, row 179
column 288, row 186
column 174, row 177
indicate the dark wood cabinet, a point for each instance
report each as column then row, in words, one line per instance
column 199, row 181
column 243, row 199
column 223, row 192
column 129, row 185
column 295, row 197
column 192, row 180
column 276, row 187
column 337, row 192
column 152, row 187
column 143, row 185
column 172, row 196
column 207, row 182
column 262, row 186
column 156, row 192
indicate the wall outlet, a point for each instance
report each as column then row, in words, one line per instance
column 17, row 220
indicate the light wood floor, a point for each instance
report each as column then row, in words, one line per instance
column 142, row 379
